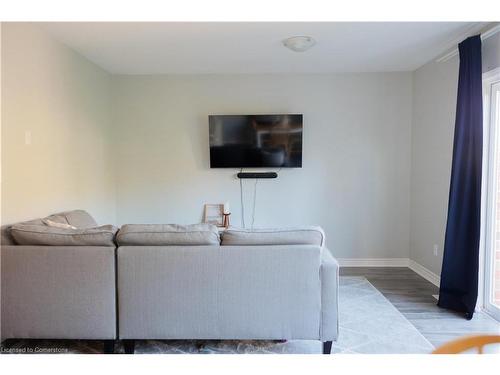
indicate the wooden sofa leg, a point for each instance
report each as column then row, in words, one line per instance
column 129, row 346
column 327, row 347
column 109, row 346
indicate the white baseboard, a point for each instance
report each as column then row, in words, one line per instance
column 424, row 272
column 391, row 262
column 373, row 262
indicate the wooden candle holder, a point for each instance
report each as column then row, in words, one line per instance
column 226, row 220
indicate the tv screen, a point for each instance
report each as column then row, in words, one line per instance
column 255, row 141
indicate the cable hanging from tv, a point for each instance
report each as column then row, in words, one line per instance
column 242, row 200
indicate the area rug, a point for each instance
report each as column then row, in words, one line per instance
column 368, row 322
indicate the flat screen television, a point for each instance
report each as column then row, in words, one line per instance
column 255, row 141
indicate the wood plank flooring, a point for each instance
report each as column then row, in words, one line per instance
column 411, row 294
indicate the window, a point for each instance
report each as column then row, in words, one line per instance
column 491, row 103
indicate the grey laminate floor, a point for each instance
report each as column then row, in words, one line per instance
column 411, row 294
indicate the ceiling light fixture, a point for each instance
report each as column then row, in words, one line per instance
column 299, row 43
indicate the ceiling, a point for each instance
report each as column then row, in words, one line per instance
column 243, row 48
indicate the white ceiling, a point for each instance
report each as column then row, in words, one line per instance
column 194, row 48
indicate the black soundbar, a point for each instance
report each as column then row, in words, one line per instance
column 257, row 175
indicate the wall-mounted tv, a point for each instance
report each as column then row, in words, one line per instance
column 255, row 141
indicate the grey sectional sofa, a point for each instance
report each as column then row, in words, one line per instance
column 170, row 282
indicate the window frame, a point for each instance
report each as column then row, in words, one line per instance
column 491, row 167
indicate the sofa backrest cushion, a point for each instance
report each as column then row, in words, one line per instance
column 5, row 236
column 167, row 235
column 33, row 234
column 277, row 236
column 80, row 219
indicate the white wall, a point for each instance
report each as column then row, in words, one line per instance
column 355, row 176
column 64, row 101
column 434, row 103
column 491, row 52
column 434, row 106
column 151, row 165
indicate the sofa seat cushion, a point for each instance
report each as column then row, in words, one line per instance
column 33, row 234
column 167, row 235
column 278, row 236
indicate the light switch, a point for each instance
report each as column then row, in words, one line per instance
column 27, row 137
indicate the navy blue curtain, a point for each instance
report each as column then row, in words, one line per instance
column 459, row 274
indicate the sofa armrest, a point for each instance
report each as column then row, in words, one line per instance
column 329, row 272
column 58, row 292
